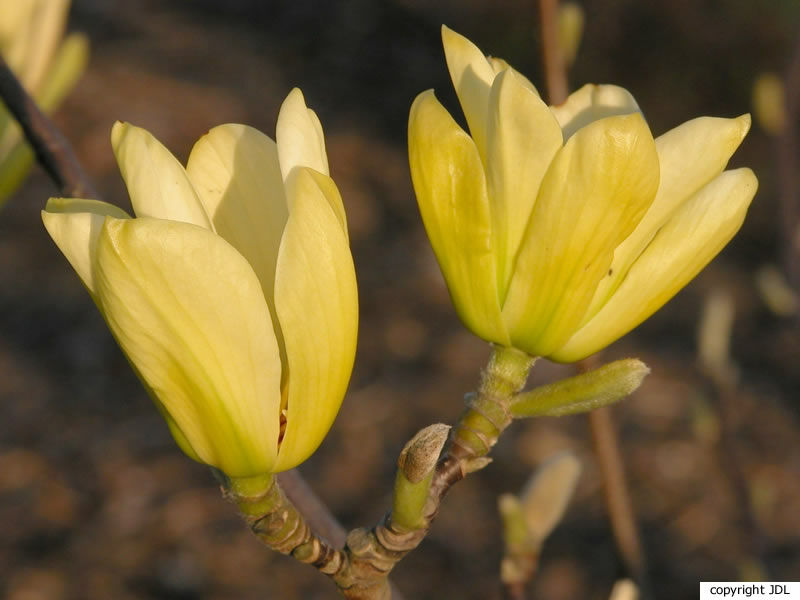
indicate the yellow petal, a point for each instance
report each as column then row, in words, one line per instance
column 590, row 103
column 157, row 182
column 689, row 156
column 596, row 190
column 188, row 312
column 75, row 224
column 317, row 304
column 523, row 138
column 299, row 135
column 472, row 77
column 67, row 66
column 451, row 191
column 680, row 250
column 174, row 428
column 235, row 171
column 499, row 65
column 16, row 32
column 331, row 193
column 47, row 28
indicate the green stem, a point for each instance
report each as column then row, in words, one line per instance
column 278, row 523
column 489, row 411
column 362, row 568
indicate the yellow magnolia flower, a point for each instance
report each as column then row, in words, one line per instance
column 232, row 292
column 31, row 43
column 559, row 229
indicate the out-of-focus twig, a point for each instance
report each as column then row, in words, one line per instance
column 618, row 500
column 555, row 70
column 788, row 178
column 528, row 519
column 721, row 378
column 52, row 150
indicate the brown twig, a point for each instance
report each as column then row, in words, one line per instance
column 52, row 149
column 617, row 495
column 555, row 70
column 618, row 500
column 788, row 178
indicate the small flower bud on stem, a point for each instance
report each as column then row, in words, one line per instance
column 422, row 482
column 529, row 519
column 582, row 393
column 415, row 469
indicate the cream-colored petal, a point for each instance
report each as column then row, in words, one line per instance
column 188, row 311
column 472, row 76
column 48, row 27
column 157, row 182
column 499, row 65
column 235, row 171
column 16, row 31
column 451, row 192
column 301, row 142
column 596, row 190
column 523, row 138
column 593, row 102
column 75, row 224
column 680, row 250
column 334, row 198
column 689, row 156
column 317, row 303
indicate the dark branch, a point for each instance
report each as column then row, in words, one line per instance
column 51, row 148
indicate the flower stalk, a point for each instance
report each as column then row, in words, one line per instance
column 277, row 523
column 371, row 554
column 489, row 411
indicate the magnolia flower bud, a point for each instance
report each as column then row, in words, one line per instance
column 232, row 292
column 559, row 229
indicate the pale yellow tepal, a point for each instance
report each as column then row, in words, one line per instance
column 232, row 292
column 559, row 229
column 48, row 66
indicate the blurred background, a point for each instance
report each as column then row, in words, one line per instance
column 97, row 502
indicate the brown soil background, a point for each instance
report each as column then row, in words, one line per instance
column 96, row 502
